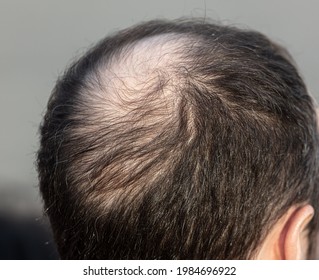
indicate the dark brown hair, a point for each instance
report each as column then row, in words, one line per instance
column 177, row 140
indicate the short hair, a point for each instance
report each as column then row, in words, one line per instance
column 178, row 139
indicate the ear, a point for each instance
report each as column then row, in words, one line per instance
column 295, row 241
column 288, row 239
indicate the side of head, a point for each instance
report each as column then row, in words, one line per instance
column 177, row 140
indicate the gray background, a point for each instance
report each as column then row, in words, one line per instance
column 39, row 38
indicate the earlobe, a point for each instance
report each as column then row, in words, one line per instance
column 293, row 237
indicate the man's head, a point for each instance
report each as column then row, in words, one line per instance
column 180, row 140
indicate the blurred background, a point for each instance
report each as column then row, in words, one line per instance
column 39, row 38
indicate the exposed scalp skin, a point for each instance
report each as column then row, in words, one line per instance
column 137, row 95
column 176, row 140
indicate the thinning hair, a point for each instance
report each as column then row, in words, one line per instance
column 177, row 140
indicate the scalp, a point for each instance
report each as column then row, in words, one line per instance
column 141, row 75
column 134, row 99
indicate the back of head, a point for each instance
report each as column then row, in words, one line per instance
column 176, row 140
